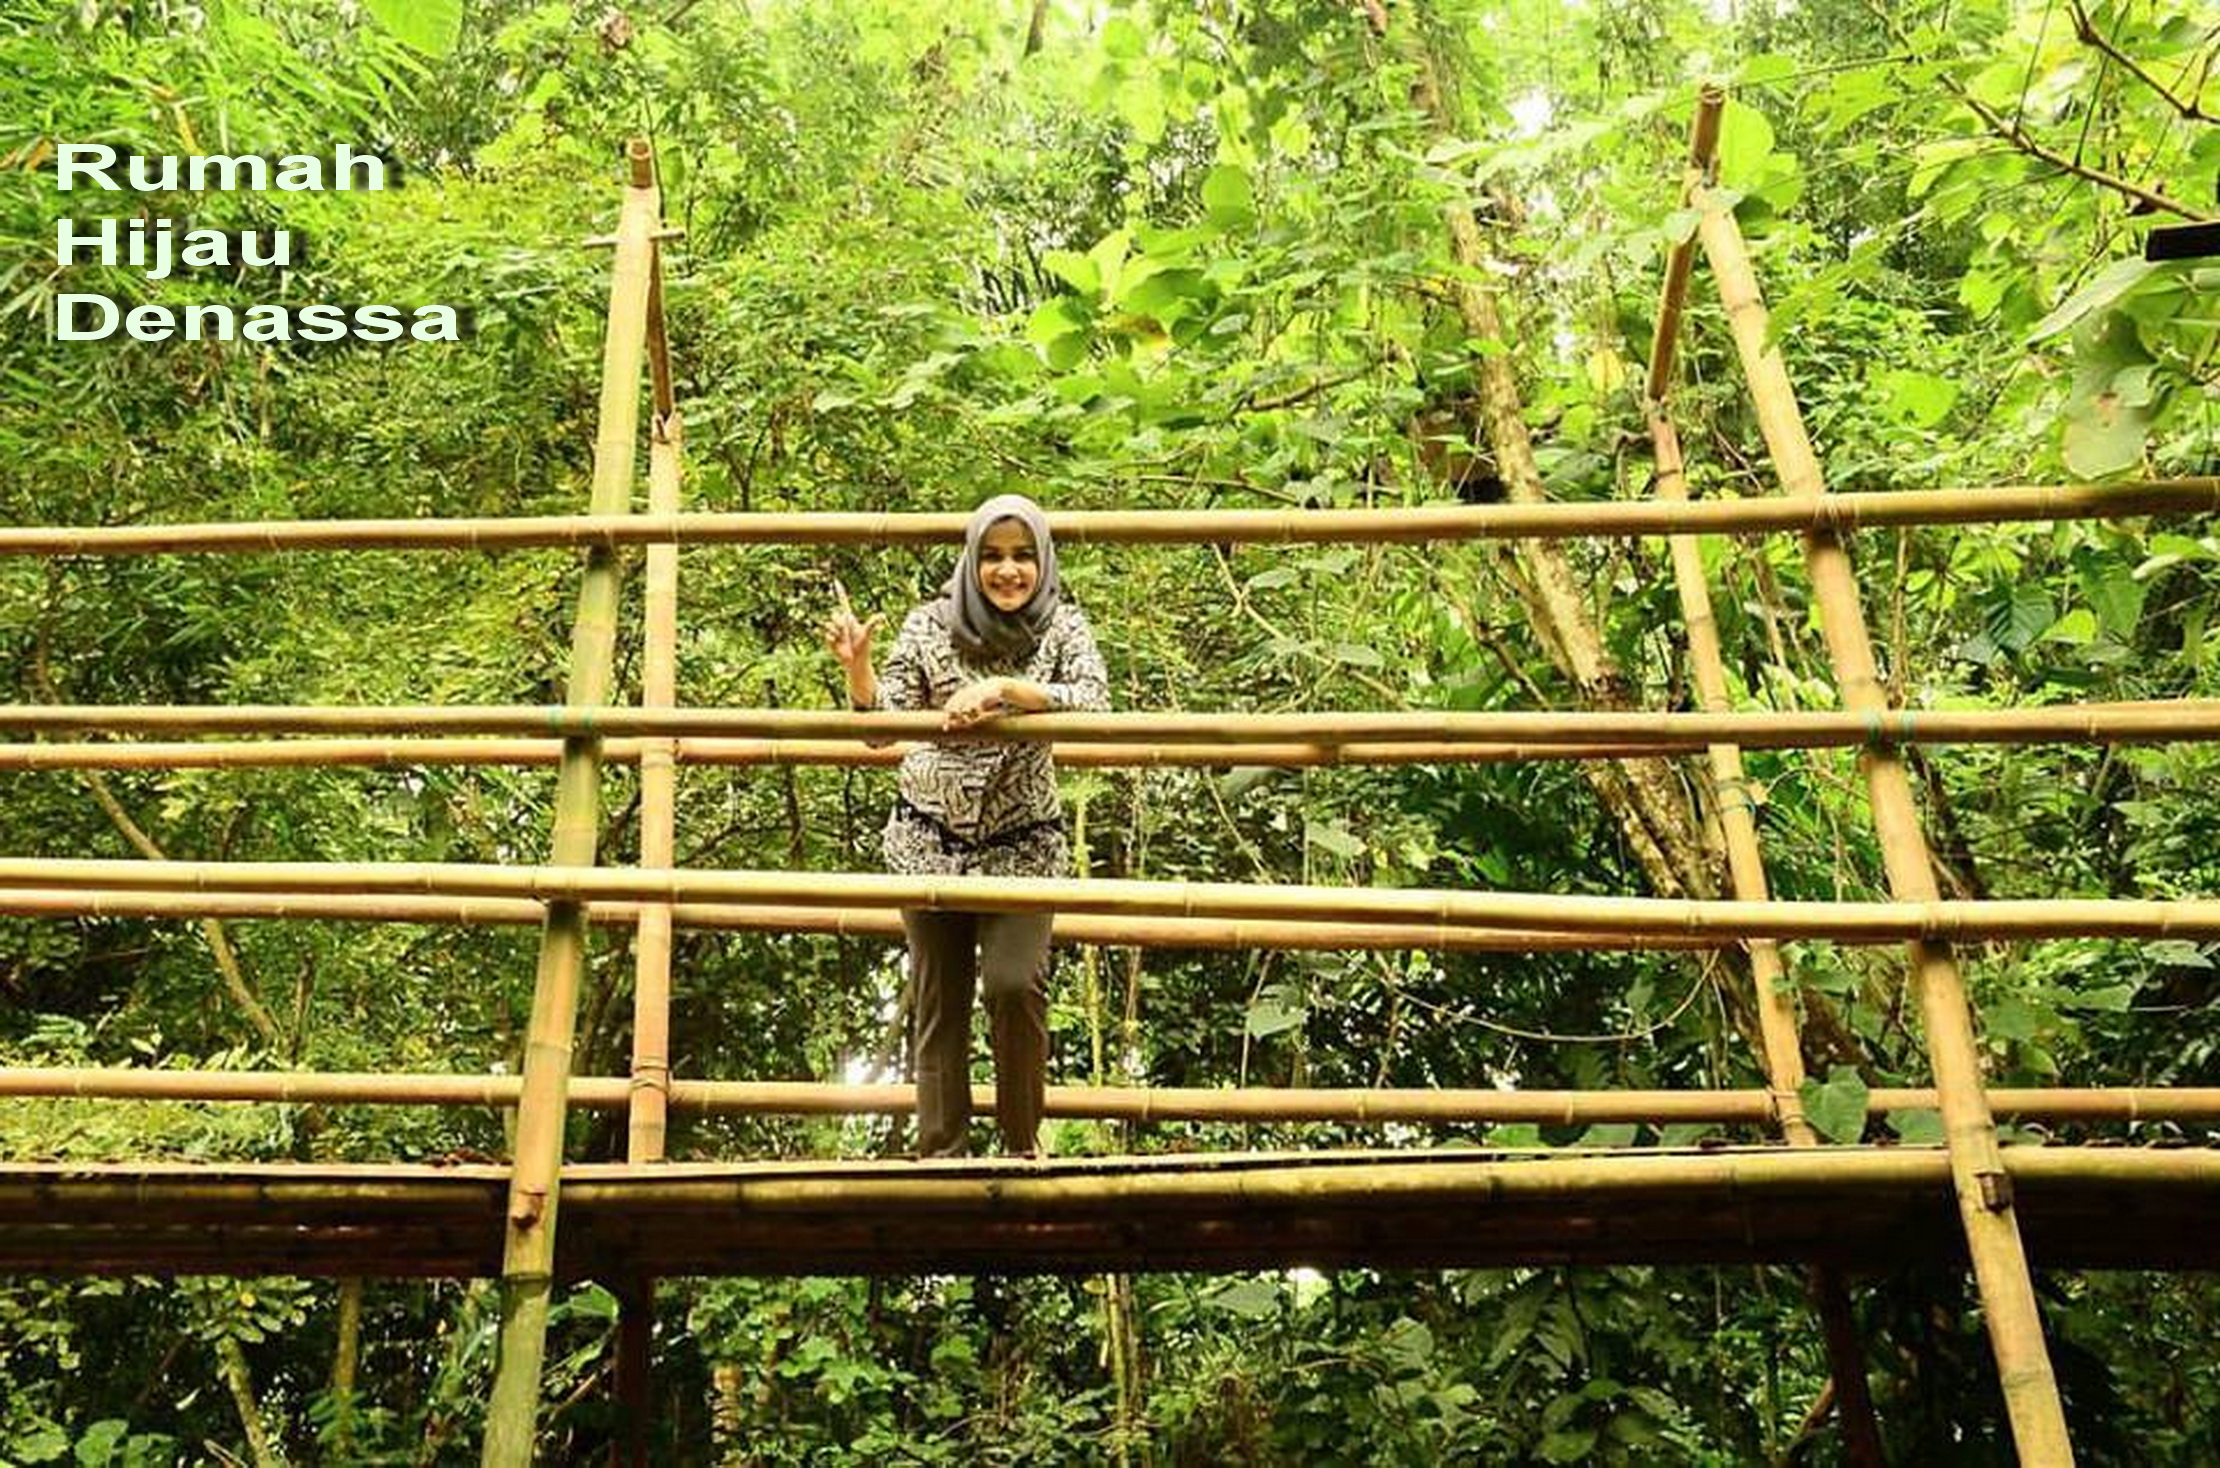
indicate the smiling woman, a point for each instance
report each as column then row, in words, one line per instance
column 1001, row 640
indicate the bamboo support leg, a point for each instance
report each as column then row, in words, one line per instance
column 651, row 988
column 1730, row 795
column 528, row 1255
column 631, row 1447
column 1983, row 1188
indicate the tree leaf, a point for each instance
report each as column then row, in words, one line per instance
column 2109, row 284
column 1251, row 1299
column 1745, row 140
column 1836, row 1106
column 1334, row 838
column 431, row 26
column 1917, row 1128
column 1919, row 399
column 2016, row 620
column 1227, row 197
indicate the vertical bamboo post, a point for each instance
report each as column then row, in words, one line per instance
column 1730, row 791
column 1983, row 1188
column 635, row 1372
column 528, row 1254
column 651, row 987
column 651, row 994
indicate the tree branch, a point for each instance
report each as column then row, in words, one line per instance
column 2086, row 30
column 2026, row 142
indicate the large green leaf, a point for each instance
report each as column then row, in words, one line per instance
column 1745, row 142
column 1227, row 198
column 431, row 26
column 2109, row 284
column 1836, row 1106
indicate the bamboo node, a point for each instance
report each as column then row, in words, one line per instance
column 527, row 1206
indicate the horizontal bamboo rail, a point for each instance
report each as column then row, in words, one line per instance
column 1262, row 1177
column 1417, row 523
column 1117, row 1103
column 2100, row 723
column 1300, row 1178
column 1107, row 930
column 1874, row 922
column 310, row 752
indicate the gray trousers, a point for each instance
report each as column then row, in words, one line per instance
column 1006, row 954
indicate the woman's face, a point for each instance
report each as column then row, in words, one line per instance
column 1009, row 566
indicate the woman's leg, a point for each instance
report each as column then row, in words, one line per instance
column 1013, row 969
column 943, row 961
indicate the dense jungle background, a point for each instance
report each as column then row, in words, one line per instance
column 1222, row 252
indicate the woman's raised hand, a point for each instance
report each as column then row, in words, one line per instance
column 847, row 638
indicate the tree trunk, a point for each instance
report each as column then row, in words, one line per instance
column 1643, row 796
column 231, row 1361
column 345, row 1363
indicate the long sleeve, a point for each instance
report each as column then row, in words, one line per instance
column 904, row 686
column 1078, row 684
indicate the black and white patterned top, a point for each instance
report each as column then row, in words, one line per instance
column 984, row 806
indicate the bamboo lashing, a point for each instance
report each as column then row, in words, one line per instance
column 1982, row 1186
column 1874, row 922
column 528, row 1253
column 2131, row 1105
column 2095, row 723
column 1781, row 1052
column 1412, row 524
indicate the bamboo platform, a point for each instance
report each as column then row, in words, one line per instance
column 1866, row 1209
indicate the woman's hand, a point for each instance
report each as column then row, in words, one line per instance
column 975, row 702
column 850, row 640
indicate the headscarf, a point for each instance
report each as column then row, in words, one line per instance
column 976, row 625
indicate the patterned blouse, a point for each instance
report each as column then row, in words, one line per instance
column 984, row 806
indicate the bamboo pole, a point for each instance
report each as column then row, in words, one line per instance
column 399, row 1190
column 1407, row 525
column 651, row 987
column 1301, row 1179
column 2129, row 1105
column 306, row 752
column 1982, row 1186
column 2142, row 721
column 1902, row 920
column 1107, row 930
column 528, row 1254
column 1782, row 1054
column 648, row 1116
column 1781, row 1051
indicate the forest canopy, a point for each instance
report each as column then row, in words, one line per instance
column 1220, row 253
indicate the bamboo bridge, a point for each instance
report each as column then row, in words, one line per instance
column 1837, row 1210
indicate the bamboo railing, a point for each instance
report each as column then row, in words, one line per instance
column 1408, row 525
column 311, row 752
column 1932, row 920
column 2182, row 1105
column 2089, row 723
column 1110, row 929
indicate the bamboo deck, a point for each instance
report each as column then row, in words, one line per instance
column 1868, row 1209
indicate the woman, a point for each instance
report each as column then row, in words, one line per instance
column 1000, row 640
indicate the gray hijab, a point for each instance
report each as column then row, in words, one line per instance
column 977, row 626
